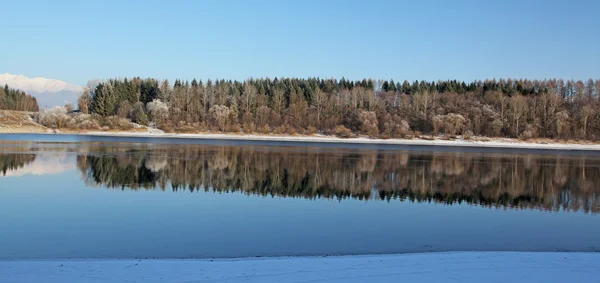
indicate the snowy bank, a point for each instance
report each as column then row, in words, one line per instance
column 490, row 143
column 429, row 267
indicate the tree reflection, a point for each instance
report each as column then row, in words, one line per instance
column 548, row 182
column 14, row 161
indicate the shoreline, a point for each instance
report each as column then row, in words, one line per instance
column 477, row 142
column 420, row 267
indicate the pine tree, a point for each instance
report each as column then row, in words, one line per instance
column 392, row 85
column 385, row 86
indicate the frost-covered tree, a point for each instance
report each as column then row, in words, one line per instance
column 54, row 117
column 220, row 114
column 158, row 110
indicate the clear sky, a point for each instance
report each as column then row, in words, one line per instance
column 76, row 41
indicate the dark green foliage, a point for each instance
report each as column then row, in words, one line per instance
column 148, row 90
column 139, row 115
column 13, row 99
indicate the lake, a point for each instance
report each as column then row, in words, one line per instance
column 68, row 196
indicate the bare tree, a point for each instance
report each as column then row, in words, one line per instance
column 318, row 104
column 550, row 103
column 249, row 97
column 562, row 123
column 262, row 115
column 518, row 108
column 84, row 101
column 586, row 112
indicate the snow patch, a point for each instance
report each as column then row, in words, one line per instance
column 492, row 143
column 433, row 267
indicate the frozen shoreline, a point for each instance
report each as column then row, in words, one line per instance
column 477, row 142
column 491, row 143
column 427, row 267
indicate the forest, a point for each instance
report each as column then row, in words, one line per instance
column 522, row 108
column 13, row 99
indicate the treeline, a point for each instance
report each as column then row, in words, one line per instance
column 547, row 182
column 498, row 108
column 13, row 99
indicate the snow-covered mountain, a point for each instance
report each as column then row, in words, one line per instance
column 48, row 92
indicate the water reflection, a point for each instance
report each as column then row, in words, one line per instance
column 547, row 182
column 15, row 161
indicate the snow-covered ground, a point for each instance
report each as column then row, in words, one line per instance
column 491, row 143
column 430, row 267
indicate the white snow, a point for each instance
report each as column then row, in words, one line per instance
column 493, row 143
column 37, row 85
column 429, row 267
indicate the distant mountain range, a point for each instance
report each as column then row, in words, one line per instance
column 48, row 92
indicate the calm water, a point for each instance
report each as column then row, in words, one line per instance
column 86, row 197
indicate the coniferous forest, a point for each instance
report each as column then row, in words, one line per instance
column 517, row 108
column 13, row 99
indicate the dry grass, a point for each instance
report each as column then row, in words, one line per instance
column 19, row 122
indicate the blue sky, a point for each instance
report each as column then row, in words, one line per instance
column 76, row 41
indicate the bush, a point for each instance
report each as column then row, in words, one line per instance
column 290, row 130
column 125, row 109
column 138, row 114
column 265, row 129
column 437, row 122
column 220, row 115
column 526, row 135
column 186, row 128
column 402, row 129
column 251, row 128
column 89, row 125
column 235, row 128
column 279, row 130
column 342, row 132
column 165, row 127
column 54, row 118
column 83, row 122
column 496, row 127
column 369, row 123
column 454, row 123
column 116, row 123
column 530, row 132
column 311, row 130
column 467, row 135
